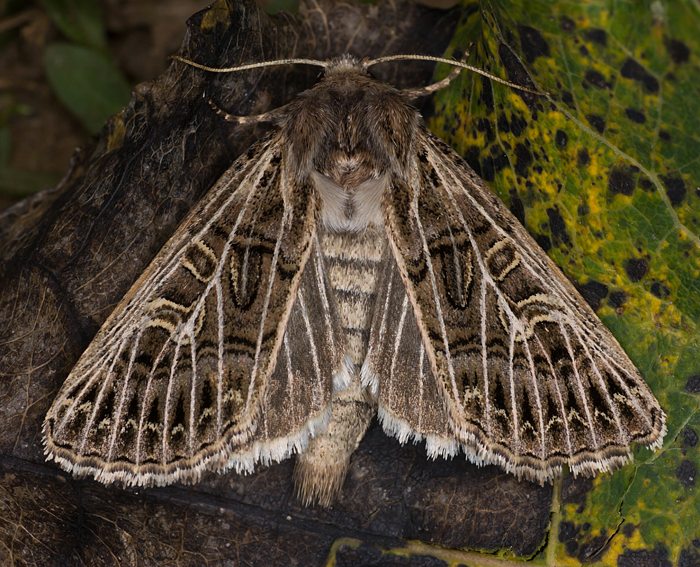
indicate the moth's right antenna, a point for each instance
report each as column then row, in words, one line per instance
column 460, row 64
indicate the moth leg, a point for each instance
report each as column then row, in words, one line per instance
column 432, row 87
column 268, row 116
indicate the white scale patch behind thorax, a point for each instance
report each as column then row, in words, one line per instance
column 353, row 242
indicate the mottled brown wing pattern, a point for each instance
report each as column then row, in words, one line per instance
column 528, row 376
column 175, row 380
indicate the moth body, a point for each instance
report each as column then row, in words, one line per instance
column 342, row 128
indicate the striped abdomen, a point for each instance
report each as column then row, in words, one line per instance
column 352, row 261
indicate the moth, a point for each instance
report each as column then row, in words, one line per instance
column 349, row 264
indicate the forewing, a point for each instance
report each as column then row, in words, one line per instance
column 528, row 376
column 175, row 378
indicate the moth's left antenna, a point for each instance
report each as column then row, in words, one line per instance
column 191, row 63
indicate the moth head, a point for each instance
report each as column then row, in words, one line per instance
column 346, row 63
